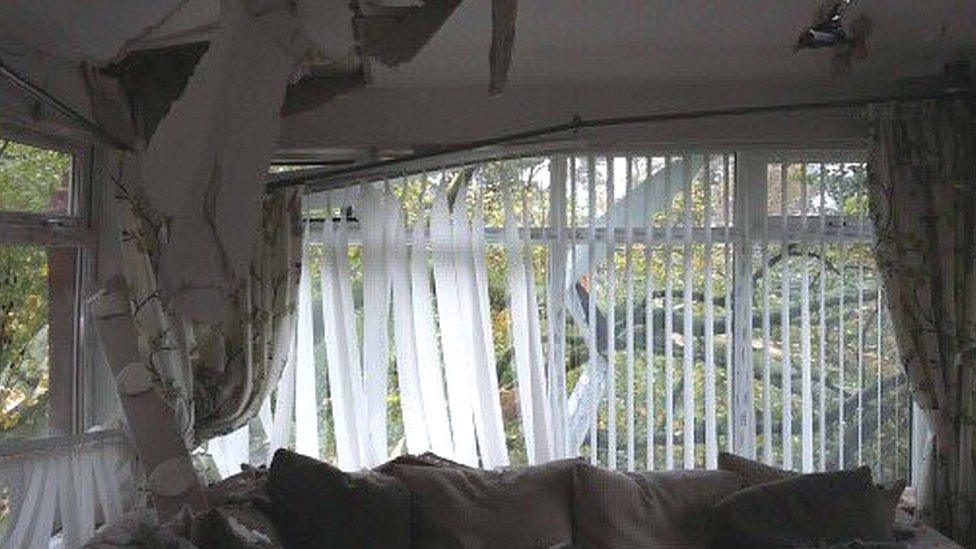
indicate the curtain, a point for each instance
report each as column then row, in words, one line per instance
column 534, row 397
column 922, row 190
column 216, row 376
column 79, row 485
column 581, row 289
column 431, row 307
column 442, row 346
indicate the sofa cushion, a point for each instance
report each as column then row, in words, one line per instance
column 754, row 473
column 463, row 507
column 804, row 510
column 427, row 459
column 666, row 509
column 751, row 471
column 316, row 505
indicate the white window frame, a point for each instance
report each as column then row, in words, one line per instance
column 71, row 229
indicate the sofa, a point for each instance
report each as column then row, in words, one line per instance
column 430, row 502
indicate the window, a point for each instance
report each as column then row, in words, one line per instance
column 42, row 237
column 822, row 314
column 685, row 303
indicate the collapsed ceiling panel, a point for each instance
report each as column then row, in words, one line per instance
column 395, row 34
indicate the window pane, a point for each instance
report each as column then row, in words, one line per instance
column 822, row 303
column 37, row 289
column 34, row 180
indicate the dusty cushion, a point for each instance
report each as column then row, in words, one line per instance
column 667, row 509
column 316, row 505
column 804, row 510
column 463, row 507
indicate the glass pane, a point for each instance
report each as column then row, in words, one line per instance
column 37, row 288
column 34, row 180
column 865, row 407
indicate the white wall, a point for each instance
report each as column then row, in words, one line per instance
column 408, row 118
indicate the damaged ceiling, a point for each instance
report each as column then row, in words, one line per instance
column 558, row 41
column 430, row 47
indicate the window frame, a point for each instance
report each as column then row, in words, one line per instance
column 750, row 202
column 74, row 230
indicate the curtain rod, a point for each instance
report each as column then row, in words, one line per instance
column 284, row 180
column 75, row 117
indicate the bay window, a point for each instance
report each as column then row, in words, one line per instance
column 643, row 309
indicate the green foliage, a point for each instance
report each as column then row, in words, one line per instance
column 31, row 180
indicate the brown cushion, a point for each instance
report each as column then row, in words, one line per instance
column 463, row 507
column 752, row 472
column 316, row 505
column 669, row 509
column 803, row 510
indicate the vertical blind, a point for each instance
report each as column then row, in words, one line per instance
column 644, row 310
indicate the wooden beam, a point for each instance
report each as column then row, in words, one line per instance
column 503, row 14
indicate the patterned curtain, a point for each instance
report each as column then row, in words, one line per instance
column 215, row 375
column 922, row 189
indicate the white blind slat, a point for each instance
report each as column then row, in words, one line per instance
column 408, row 373
column 688, row 336
column 306, row 407
column 488, row 410
column 591, row 298
column 668, row 324
column 611, row 319
column 556, row 309
column 879, row 404
column 456, row 352
column 787, row 370
column 429, row 367
column 345, row 384
column 806, row 387
column 376, row 304
column 649, row 354
column 767, row 399
column 729, row 339
column 860, row 355
column 841, row 363
column 629, row 268
column 822, row 319
column 711, row 436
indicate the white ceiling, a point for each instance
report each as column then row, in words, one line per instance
column 79, row 29
column 690, row 40
column 638, row 41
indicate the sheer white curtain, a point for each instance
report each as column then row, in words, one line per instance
column 447, row 385
column 534, row 400
column 66, row 486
